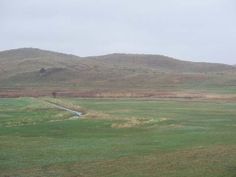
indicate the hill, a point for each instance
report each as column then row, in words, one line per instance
column 43, row 71
column 160, row 63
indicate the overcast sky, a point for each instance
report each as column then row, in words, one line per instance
column 198, row 30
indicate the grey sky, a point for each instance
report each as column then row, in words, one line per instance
column 198, row 30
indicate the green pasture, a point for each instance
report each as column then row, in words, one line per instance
column 118, row 138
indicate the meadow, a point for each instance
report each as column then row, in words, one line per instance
column 117, row 138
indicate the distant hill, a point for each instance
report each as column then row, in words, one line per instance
column 30, row 59
column 40, row 69
column 160, row 62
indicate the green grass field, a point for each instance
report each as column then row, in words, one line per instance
column 118, row 138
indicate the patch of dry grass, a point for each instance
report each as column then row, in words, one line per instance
column 132, row 122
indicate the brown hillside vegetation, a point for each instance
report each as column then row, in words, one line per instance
column 34, row 72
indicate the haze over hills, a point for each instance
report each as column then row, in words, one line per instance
column 40, row 69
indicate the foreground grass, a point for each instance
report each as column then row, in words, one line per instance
column 118, row 138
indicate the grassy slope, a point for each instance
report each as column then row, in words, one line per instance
column 20, row 69
column 118, row 138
